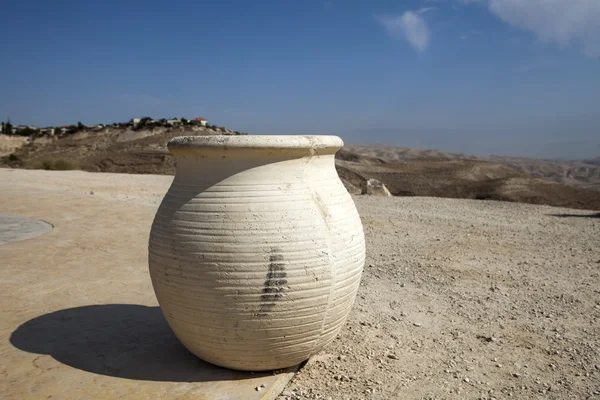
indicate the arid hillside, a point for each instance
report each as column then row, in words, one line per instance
column 582, row 173
column 467, row 179
column 406, row 172
column 141, row 151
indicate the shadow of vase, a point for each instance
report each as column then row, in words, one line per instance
column 120, row 340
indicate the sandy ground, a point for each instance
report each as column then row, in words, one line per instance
column 460, row 299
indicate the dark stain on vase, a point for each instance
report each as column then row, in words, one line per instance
column 274, row 285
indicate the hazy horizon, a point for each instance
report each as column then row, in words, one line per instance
column 506, row 77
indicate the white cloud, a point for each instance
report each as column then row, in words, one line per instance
column 559, row 21
column 426, row 9
column 409, row 26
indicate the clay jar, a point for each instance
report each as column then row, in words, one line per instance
column 257, row 250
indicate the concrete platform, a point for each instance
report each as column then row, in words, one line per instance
column 78, row 316
column 14, row 228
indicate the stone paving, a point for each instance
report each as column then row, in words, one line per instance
column 78, row 316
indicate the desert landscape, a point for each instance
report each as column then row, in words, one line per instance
column 459, row 299
column 470, row 161
column 405, row 171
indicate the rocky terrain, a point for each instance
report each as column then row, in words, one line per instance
column 363, row 169
column 581, row 174
column 465, row 299
column 111, row 149
column 410, row 172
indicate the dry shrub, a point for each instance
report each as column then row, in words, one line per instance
column 57, row 165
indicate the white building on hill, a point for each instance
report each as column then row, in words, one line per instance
column 199, row 121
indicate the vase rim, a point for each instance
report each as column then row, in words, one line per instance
column 258, row 142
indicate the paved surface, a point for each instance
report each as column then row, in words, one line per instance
column 78, row 316
column 14, row 228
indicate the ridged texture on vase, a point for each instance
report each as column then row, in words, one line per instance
column 256, row 257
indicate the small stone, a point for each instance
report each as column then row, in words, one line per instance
column 416, row 324
column 258, row 388
column 92, row 192
column 516, row 375
column 467, row 380
column 393, row 356
column 394, row 318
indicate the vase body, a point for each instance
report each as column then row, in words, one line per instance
column 257, row 250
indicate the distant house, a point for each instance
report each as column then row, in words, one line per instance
column 199, row 121
column 135, row 121
column 174, row 121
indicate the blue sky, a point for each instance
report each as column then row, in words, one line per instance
column 511, row 77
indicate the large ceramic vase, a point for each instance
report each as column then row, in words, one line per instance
column 257, row 249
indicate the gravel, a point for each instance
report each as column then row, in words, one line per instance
column 467, row 299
